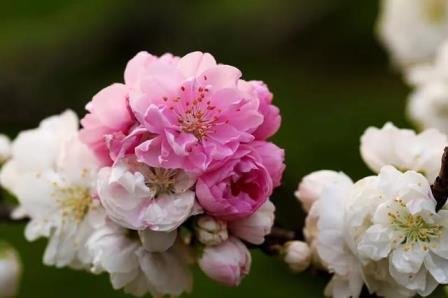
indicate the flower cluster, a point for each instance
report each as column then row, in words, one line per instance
column 382, row 231
column 416, row 34
column 413, row 30
column 170, row 167
column 428, row 102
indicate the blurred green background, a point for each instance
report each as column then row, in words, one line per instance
column 320, row 58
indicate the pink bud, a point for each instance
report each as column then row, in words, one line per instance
column 227, row 263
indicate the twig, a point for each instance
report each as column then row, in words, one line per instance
column 5, row 213
column 440, row 186
column 274, row 242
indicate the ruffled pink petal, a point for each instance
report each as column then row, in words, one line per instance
column 220, row 77
column 136, row 67
column 193, row 64
column 110, row 106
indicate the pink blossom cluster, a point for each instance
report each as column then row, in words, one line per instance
column 183, row 147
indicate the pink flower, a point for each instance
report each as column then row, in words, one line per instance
column 195, row 111
column 254, row 228
column 106, row 126
column 272, row 119
column 235, row 188
column 227, row 263
column 108, row 117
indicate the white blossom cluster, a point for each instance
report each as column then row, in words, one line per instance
column 383, row 231
column 428, row 103
column 416, row 34
column 413, row 30
column 55, row 183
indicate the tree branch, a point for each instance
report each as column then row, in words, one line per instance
column 440, row 186
column 5, row 213
column 273, row 244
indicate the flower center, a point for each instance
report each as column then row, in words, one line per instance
column 74, row 202
column 435, row 11
column 413, row 228
column 161, row 180
column 197, row 121
column 245, row 184
column 197, row 115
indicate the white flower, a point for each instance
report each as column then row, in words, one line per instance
column 403, row 149
column 428, row 106
column 254, row 228
column 123, row 254
column 10, row 271
column 412, row 30
column 358, row 212
column 5, row 148
column 435, row 71
column 331, row 235
column 210, row 231
column 37, row 149
column 138, row 197
column 297, row 255
column 310, row 191
column 329, row 239
column 398, row 223
column 52, row 175
column 312, row 185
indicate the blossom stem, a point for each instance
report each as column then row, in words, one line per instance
column 440, row 187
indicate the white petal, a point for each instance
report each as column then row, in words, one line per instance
column 157, row 241
column 169, row 211
column 438, row 267
column 416, row 281
column 408, row 261
column 166, row 271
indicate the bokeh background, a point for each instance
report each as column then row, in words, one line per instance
column 330, row 76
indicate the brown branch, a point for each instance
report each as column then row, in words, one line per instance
column 273, row 244
column 440, row 186
column 5, row 213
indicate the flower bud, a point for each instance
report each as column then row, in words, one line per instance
column 10, row 271
column 211, row 231
column 297, row 255
column 5, row 148
column 227, row 263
